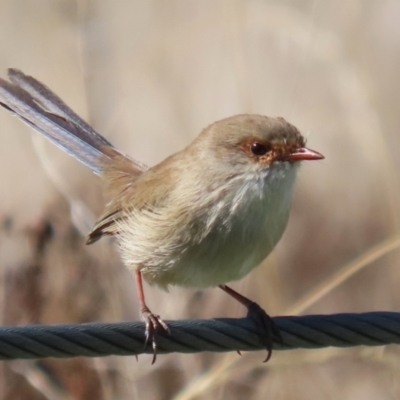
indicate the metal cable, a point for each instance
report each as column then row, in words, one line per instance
column 193, row 336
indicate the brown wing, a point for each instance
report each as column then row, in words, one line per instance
column 107, row 225
column 131, row 191
column 118, row 177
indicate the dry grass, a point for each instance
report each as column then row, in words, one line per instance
column 150, row 76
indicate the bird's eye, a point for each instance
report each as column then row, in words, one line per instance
column 259, row 149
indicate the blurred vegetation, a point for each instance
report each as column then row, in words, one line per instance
column 149, row 75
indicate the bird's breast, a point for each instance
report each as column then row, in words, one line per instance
column 240, row 231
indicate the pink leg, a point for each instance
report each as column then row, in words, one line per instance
column 153, row 321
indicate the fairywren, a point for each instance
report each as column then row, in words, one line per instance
column 205, row 216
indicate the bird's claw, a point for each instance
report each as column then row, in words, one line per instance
column 154, row 324
column 266, row 327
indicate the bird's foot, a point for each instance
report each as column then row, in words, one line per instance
column 154, row 324
column 265, row 325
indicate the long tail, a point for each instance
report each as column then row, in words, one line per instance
column 44, row 111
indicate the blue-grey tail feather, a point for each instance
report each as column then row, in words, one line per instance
column 52, row 103
column 45, row 112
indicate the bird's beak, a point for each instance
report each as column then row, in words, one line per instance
column 303, row 154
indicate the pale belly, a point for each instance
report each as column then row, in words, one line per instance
column 237, row 244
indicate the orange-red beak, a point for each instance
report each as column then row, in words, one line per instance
column 303, row 154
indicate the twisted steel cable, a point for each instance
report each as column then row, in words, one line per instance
column 193, row 336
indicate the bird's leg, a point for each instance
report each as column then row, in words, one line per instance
column 153, row 322
column 264, row 323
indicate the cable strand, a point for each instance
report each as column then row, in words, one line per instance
column 193, row 336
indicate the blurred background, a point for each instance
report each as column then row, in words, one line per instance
column 149, row 75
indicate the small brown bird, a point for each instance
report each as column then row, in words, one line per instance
column 205, row 216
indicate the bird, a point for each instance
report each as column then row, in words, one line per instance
column 203, row 217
